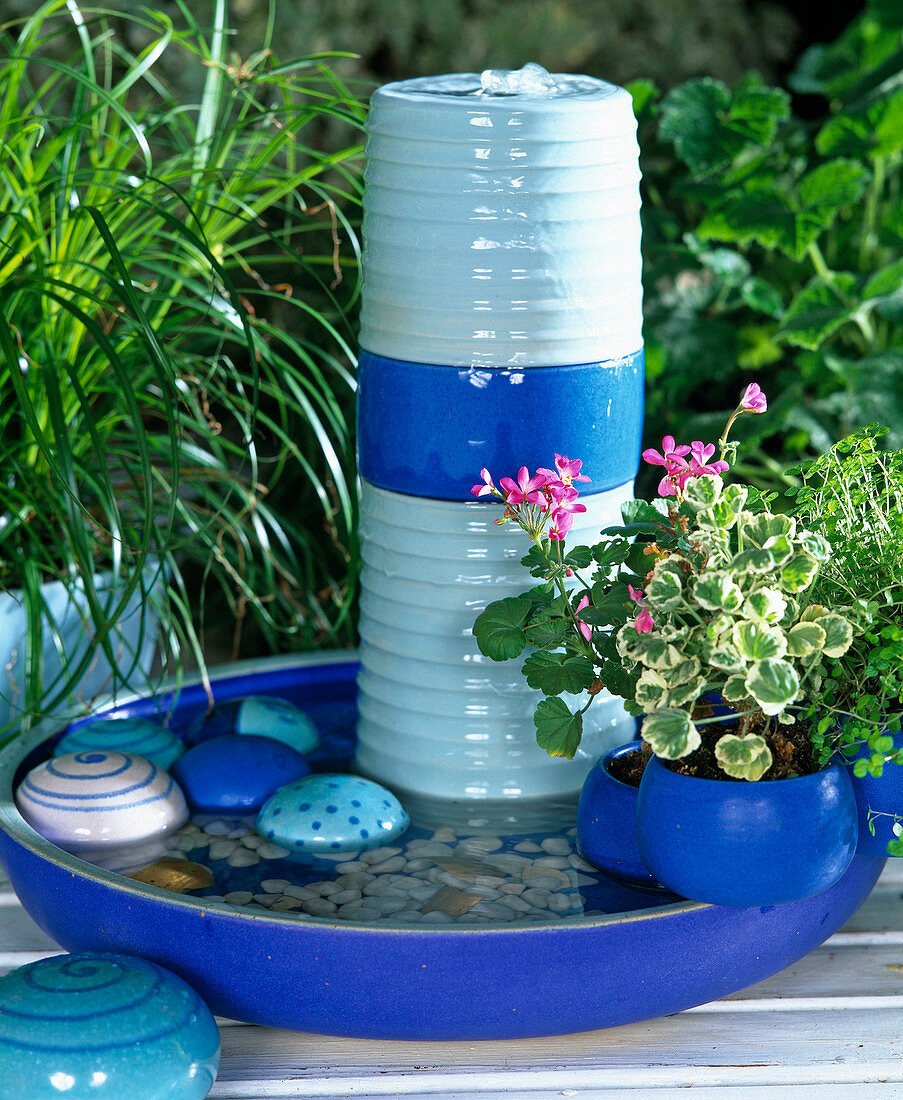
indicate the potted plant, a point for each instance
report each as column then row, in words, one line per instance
column 157, row 381
column 733, row 806
column 853, row 496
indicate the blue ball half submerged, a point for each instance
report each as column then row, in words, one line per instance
column 98, row 1025
column 324, row 814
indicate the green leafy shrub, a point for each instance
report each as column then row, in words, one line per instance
column 772, row 246
column 149, row 406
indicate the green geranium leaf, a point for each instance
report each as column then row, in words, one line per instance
column 535, row 562
column 499, row 630
column 617, row 679
column 683, row 694
column 766, row 604
column 780, row 547
column 725, row 657
column 888, row 280
column 773, row 684
column 682, row 672
column 651, row 690
column 757, row 640
column 547, row 632
column 805, row 638
column 875, row 130
column 670, row 733
column 838, row 635
column 720, row 517
column 735, row 495
column 745, row 757
column 553, row 673
column 579, row 558
column 611, row 551
column 716, row 591
column 817, row 311
column 557, row 730
column 762, row 296
column 799, row 572
column 643, row 511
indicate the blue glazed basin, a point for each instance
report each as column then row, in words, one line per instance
column 742, row 843
column 606, row 822
column 404, row 982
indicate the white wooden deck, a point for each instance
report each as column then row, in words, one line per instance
column 828, row 1028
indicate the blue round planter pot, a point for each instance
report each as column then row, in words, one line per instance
column 606, row 822
column 877, row 795
column 742, row 843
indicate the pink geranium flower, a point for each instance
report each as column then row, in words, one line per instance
column 562, row 521
column 636, row 594
column 526, row 488
column 644, row 622
column 753, row 400
column 700, row 454
column 486, row 488
column 566, row 470
column 585, row 629
column 670, row 452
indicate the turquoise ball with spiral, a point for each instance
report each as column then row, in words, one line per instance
column 97, row 1025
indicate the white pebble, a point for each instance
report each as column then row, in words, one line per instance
column 352, row 866
column 266, row 900
column 414, row 865
column 512, row 888
column 580, row 864
column 267, row 850
column 355, row 911
column 355, row 881
column 243, row 857
column 222, row 849
column 239, row 832
column 282, row 904
column 275, row 885
column 303, row 893
column 382, row 890
column 560, row 903
column 394, row 863
column 512, row 901
column 239, row 897
column 556, row 846
column 560, row 863
column 420, row 848
column 251, row 840
column 218, row 828
column 435, row 917
column 377, row 855
column 384, row 906
column 536, row 897
column 527, row 846
column 444, row 834
column 324, row 889
column 424, row 893
column 342, row 897
column 319, row 907
column 481, row 844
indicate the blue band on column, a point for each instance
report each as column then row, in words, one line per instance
column 428, row 430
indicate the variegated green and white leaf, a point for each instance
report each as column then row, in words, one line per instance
column 664, row 592
column 799, row 572
column 757, row 529
column 662, row 656
column 735, row 495
column 757, row 641
column 752, row 561
column 746, row 757
column 682, row 673
column 725, row 656
column 805, row 638
column 734, row 688
column 720, row 517
column 651, row 690
column 716, row 591
column 773, row 684
column 781, row 548
column 838, row 635
column 703, row 492
column 683, row 694
column 815, row 544
column 670, row 733
column 767, row 604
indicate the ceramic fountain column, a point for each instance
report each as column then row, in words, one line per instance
column 500, row 324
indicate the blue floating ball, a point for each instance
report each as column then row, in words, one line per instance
column 93, row 1026
column 258, row 716
column 236, row 774
column 138, row 736
column 330, row 813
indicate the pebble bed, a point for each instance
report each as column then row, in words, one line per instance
column 427, row 877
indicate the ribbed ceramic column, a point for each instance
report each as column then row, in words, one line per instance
column 501, row 323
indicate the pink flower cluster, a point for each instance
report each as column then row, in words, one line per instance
column 644, row 622
column 679, row 469
column 551, row 492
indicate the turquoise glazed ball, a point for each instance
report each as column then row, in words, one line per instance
column 138, row 736
column 324, row 814
column 94, row 1026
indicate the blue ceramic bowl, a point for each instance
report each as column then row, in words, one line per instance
column 606, row 822
column 403, row 982
column 743, row 843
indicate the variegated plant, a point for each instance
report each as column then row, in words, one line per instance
column 724, row 609
column 729, row 615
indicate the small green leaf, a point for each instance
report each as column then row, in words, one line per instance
column 557, row 730
column 804, row 638
column 643, row 511
column 817, row 311
column 664, row 591
column 832, row 187
column 752, row 561
column 757, row 640
column 734, row 689
column 762, row 296
column 651, row 690
column 703, row 492
column 554, row 673
column 773, row 684
column 888, row 280
column 579, row 558
column 746, row 757
column 725, row 657
column 759, row 528
column 499, row 630
column 548, row 632
column 780, row 548
column 670, row 733
column 611, row 551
